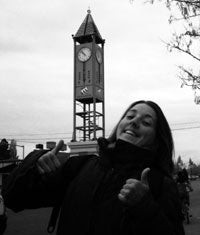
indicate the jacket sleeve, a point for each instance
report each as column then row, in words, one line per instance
column 161, row 216
column 25, row 188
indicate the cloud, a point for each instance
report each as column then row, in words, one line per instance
column 13, row 46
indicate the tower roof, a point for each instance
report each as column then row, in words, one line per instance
column 88, row 29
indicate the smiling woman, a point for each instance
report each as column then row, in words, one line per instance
column 127, row 189
column 151, row 130
column 138, row 126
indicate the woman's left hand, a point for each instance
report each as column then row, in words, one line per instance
column 134, row 190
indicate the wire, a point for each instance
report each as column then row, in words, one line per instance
column 69, row 134
column 48, row 138
column 186, row 128
column 36, row 134
column 185, row 123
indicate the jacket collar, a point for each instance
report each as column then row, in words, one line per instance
column 124, row 154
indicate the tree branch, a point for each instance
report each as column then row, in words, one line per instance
column 186, row 52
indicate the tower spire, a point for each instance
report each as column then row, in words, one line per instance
column 88, row 30
column 89, row 11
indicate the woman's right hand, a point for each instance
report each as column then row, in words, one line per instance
column 49, row 162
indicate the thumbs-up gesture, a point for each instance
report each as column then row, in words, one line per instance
column 49, row 162
column 134, row 190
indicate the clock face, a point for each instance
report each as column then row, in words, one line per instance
column 99, row 56
column 84, row 54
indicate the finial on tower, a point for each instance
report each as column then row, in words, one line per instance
column 88, row 11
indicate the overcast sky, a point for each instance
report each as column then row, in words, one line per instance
column 36, row 68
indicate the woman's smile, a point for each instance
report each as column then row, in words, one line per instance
column 130, row 132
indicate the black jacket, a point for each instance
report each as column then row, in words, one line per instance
column 87, row 189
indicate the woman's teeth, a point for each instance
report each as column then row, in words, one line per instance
column 130, row 132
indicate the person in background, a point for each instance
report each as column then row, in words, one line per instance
column 4, row 151
column 127, row 189
column 184, row 186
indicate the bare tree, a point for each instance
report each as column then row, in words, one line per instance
column 187, row 41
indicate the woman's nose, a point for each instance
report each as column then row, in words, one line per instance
column 135, row 121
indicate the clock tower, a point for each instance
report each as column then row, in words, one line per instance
column 88, row 107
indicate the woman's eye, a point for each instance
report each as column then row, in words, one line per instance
column 129, row 117
column 146, row 123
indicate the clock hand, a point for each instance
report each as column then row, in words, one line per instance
column 83, row 53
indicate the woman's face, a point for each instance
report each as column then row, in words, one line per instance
column 138, row 127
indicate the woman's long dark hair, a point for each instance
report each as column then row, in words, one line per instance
column 164, row 140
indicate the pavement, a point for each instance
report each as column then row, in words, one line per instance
column 31, row 222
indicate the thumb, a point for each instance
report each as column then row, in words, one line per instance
column 144, row 178
column 58, row 147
